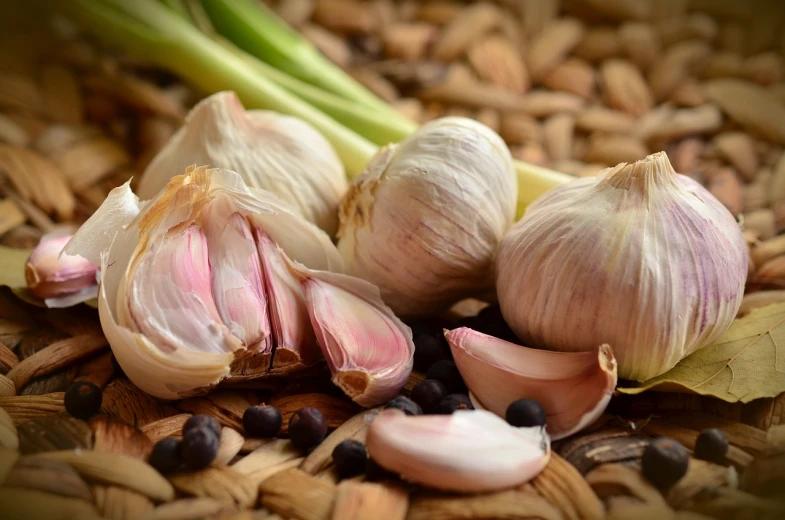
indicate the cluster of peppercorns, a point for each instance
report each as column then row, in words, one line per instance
column 307, row 426
column 665, row 461
column 197, row 449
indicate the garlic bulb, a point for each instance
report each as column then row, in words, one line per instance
column 424, row 220
column 574, row 388
column 469, row 451
column 640, row 257
column 61, row 280
column 278, row 153
column 182, row 299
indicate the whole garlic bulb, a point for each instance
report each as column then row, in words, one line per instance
column 278, row 153
column 640, row 257
column 424, row 220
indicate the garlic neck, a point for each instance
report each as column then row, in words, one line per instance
column 644, row 176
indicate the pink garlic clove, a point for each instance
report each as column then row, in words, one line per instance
column 52, row 275
column 574, row 388
column 470, row 451
column 295, row 342
column 369, row 350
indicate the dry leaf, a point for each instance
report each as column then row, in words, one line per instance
column 745, row 363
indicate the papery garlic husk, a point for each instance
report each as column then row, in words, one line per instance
column 61, row 280
column 180, row 299
column 275, row 152
column 471, row 451
column 424, row 220
column 370, row 351
column 640, row 257
column 574, row 388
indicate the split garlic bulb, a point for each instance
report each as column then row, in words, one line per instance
column 640, row 257
column 424, row 220
column 278, row 153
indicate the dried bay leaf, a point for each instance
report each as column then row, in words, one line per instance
column 745, row 363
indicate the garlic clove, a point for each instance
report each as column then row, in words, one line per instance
column 295, row 162
column 53, row 276
column 368, row 349
column 469, row 451
column 293, row 336
column 237, row 282
column 574, row 388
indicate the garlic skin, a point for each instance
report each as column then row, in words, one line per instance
column 274, row 152
column 370, row 351
column 159, row 305
column 574, row 388
column 61, row 280
column 424, row 220
column 471, row 451
column 640, row 257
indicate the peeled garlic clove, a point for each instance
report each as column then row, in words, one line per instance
column 640, row 257
column 574, row 388
column 470, row 451
column 278, row 153
column 294, row 338
column 59, row 278
column 158, row 301
column 424, row 220
column 368, row 349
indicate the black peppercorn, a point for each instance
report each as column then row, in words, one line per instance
column 262, row 421
column 350, row 458
column 711, row 445
column 453, row 403
column 199, row 447
column 428, row 393
column 446, row 372
column 427, row 351
column 307, row 428
column 375, row 473
column 664, row 462
column 525, row 413
column 83, row 399
column 200, row 420
column 166, row 456
column 405, row 404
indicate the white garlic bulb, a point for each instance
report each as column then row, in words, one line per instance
column 275, row 152
column 640, row 257
column 424, row 220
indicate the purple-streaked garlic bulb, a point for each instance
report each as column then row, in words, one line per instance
column 640, row 258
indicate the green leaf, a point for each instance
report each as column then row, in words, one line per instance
column 745, row 363
column 12, row 267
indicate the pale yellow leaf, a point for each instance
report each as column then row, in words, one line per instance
column 745, row 363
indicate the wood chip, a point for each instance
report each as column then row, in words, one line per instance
column 112, row 435
column 121, row 504
column 256, row 464
column 376, row 83
column 764, row 69
column 602, row 119
column 727, row 187
column 24, row 407
column 460, row 88
column 510, row 505
column 537, row 15
column 8, row 458
column 532, row 153
column 625, row 88
column 520, row 128
column 137, row 93
column 344, row 16
column 675, row 65
column 408, row 41
column 557, row 134
column 618, row 9
column 756, row 300
column 544, row 103
column 49, row 476
column 25, row 504
column 687, row 122
column 61, row 93
column 10, row 216
column 552, row 45
column 497, row 61
column 685, row 156
column 598, row 43
column 8, row 436
column 87, row 162
column 122, row 399
column 19, row 92
column 188, row 509
column 294, row 493
column 116, row 469
column 693, row 26
column 688, row 94
column 56, row 356
column 369, row 501
column 471, row 24
column 615, row 149
column 54, row 432
column 762, row 222
column 231, row 444
column 38, row 180
column 11, row 132
column 59, row 138
column 170, row 426
column 751, row 106
column 296, row 12
column 562, row 485
column 222, row 484
column 768, row 249
column 640, row 42
column 739, row 150
column 7, row 387
column 574, row 76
